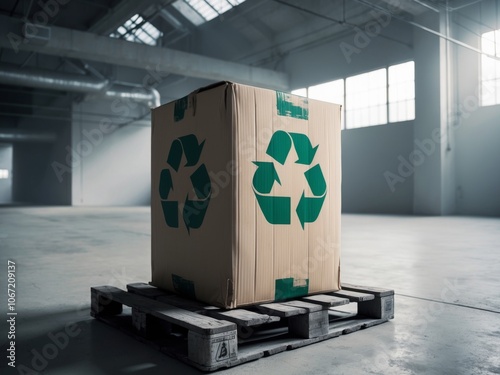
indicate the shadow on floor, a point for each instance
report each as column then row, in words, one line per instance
column 53, row 341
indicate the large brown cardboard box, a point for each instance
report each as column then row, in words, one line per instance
column 245, row 199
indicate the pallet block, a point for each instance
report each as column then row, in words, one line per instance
column 211, row 342
column 380, row 307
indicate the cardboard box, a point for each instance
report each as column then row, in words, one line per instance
column 245, row 199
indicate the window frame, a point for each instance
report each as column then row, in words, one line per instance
column 387, row 95
column 399, row 101
column 367, row 107
column 495, row 90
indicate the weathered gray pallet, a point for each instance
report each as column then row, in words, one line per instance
column 218, row 338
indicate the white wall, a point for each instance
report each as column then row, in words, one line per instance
column 111, row 164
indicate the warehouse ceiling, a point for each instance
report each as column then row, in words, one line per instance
column 119, row 40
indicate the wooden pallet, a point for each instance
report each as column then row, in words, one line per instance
column 210, row 338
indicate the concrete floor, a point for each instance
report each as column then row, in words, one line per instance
column 445, row 270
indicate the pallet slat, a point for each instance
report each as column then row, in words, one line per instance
column 309, row 307
column 243, row 317
column 281, row 310
column 150, row 291
column 377, row 292
column 354, row 296
column 326, row 300
column 187, row 319
column 187, row 304
column 145, row 290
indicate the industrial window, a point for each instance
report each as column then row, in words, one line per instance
column 364, row 96
column 490, row 68
column 402, row 92
column 331, row 92
column 300, row 92
column 4, row 174
column 137, row 29
column 366, row 99
column 201, row 11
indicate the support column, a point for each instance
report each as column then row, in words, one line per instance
column 433, row 162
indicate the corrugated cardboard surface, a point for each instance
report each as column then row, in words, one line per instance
column 258, row 147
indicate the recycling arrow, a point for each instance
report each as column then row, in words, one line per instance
column 165, row 183
column 192, row 149
column 279, row 146
column 281, row 143
column 276, row 209
column 169, row 207
column 316, row 180
column 264, row 177
column 201, row 182
column 305, row 151
column 309, row 208
column 194, row 210
column 187, row 145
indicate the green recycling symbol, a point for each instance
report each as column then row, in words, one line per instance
column 193, row 211
column 277, row 210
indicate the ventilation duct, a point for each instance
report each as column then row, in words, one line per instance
column 74, row 83
column 26, row 136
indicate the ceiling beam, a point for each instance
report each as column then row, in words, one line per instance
column 89, row 46
column 413, row 7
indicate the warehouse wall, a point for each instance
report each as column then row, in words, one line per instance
column 467, row 180
column 110, row 153
column 35, row 181
column 367, row 153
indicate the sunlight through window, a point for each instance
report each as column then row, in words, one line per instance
column 201, row 11
column 138, row 30
column 490, row 68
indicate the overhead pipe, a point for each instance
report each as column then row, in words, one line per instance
column 38, row 78
column 50, row 80
column 19, row 135
column 148, row 95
